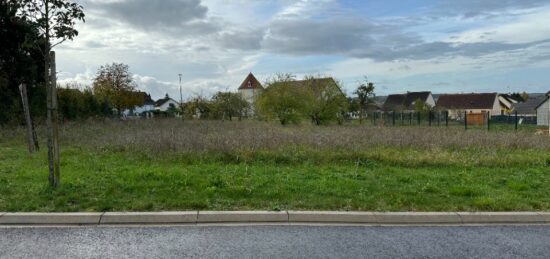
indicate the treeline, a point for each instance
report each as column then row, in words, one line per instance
column 222, row 106
column 288, row 101
column 77, row 104
column 21, row 62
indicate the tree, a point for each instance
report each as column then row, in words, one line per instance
column 365, row 96
column 114, row 82
column 75, row 103
column 281, row 101
column 20, row 65
column 421, row 106
column 324, row 100
column 198, row 107
column 227, row 104
column 55, row 21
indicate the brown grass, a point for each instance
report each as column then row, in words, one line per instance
column 172, row 135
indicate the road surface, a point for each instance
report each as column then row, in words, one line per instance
column 256, row 241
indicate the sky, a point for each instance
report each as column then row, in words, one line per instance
column 443, row 46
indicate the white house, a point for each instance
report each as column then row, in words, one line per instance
column 250, row 89
column 543, row 111
column 147, row 107
column 165, row 104
column 457, row 104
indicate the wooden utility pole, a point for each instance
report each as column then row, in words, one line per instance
column 53, row 144
column 31, row 135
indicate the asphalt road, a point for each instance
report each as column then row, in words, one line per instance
column 276, row 242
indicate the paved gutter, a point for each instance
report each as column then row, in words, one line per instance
column 272, row 217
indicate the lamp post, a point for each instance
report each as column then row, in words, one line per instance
column 181, row 98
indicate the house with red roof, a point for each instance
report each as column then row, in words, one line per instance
column 250, row 89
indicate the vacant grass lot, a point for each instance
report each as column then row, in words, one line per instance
column 153, row 165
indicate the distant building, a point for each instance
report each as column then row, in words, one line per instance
column 148, row 106
column 165, row 104
column 528, row 108
column 406, row 102
column 543, row 111
column 457, row 104
column 250, row 89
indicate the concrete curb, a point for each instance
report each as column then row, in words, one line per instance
column 32, row 218
column 277, row 217
column 169, row 217
column 501, row 217
column 242, row 216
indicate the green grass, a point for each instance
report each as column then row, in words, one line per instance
column 297, row 177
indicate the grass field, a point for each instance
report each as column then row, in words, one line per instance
column 153, row 165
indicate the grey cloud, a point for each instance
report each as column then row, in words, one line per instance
column 242, row 40
column 188, row 16
column 306, row 37
column 445, row 49
column 94, row 44
column 357, row 38
column 475, row 8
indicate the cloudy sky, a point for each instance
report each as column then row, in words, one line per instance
column 400, row 45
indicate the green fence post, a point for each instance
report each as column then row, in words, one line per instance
column 488, row 120
column 465, row 120
column 516, row 119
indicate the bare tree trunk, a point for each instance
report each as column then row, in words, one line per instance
column 53, row 145
column 31, row 135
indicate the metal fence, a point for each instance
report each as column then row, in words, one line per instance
column 442, row 119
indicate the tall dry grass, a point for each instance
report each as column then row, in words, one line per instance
column 173, row 135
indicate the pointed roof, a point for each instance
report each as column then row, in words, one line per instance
column 250, row 82
column 405, row 101
column 162, row 101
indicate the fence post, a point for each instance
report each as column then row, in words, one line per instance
column 465, row 120
column 446, row 118
column 430, row 118
column 516, row 120
column 410, row 118
column 488, row 120
column 393, row 118
column 418, row 117
column 32, row 141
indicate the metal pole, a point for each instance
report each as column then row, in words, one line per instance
column 446, row 118
column 181, row 98
column 393, row 118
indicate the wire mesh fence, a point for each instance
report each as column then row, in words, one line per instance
column 466, row 120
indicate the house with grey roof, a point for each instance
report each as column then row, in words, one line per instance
column 166, row 104
column 407, row 101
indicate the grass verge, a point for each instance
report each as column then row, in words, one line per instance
column 305, row 175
